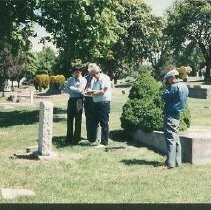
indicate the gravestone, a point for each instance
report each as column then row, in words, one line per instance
column 45, row 128
column 9, row 193
column 31, row 97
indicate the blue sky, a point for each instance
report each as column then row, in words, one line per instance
column 158, row 7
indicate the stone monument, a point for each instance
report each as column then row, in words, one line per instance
column 45, row 128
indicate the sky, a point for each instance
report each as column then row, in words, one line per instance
column 158, row 8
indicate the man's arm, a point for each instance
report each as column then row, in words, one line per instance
column 106, row 83
column 182, row 100
column 70, row 87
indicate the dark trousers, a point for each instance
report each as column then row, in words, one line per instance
column 89, row 110
column 101, row 115
column 171, row 126
column 74, row 112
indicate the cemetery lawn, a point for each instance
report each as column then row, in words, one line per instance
column 86, row 174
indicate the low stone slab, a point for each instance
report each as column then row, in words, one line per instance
column 196, row 147
column 199, row 91
column 9, row 193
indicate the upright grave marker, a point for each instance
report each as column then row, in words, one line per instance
column 45, row 128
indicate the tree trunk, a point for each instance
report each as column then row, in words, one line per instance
column 208, row 67
column 18, row 83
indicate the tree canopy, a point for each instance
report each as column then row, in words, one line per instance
column 120, row 35
column 190, row 21
column 84, row 29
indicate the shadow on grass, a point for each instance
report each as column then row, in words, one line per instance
column 25, row 117
column 58, row 110
column 59, row 141
column 119, row 136
column 141, row 162
column 25, row 156
column 49, row 92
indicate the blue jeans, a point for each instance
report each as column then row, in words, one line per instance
column 171, row 125
column 101, row 115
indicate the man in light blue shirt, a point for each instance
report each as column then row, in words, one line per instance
column 101, row 92
column 75, row 88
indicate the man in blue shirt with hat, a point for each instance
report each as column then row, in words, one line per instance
column 75, row 88
column 175, row 96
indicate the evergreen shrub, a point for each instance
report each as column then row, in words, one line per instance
column 57, row 82
column 41, row 81
column 144, row 108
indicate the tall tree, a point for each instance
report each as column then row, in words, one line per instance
column 143, row 38
column 190, row 21
column 189, row 55
column 45, row 61
column 14, row 22
column 84, row 29
column 15, row 28
column 12, row 66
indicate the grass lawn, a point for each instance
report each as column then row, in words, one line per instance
column 85, row 174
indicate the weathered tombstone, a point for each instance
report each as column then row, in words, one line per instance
column 45, row 128
column 14, row 97
column 31, row 97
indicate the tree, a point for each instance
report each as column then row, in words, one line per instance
column 85, row 29
column 18, row 67
column 14, row 27
column 189, row 55
column 12, row 66
column 143, row 38
column 15, row 30
column 45, row 61
column 190, row 21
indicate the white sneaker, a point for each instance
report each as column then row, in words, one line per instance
column 100, row 146
column 93, row 144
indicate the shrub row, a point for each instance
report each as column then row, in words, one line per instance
column 42, row 81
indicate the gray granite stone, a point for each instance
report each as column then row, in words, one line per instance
column 196, row 146
column 45, row 128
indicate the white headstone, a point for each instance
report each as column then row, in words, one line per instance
column 31, row 97
column 45, row 128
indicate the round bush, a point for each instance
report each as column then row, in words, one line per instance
column 144, row 108
column 56, row 83
column 41, row 81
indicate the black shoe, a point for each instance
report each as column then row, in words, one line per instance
column 104, row 143
column 70, row 143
